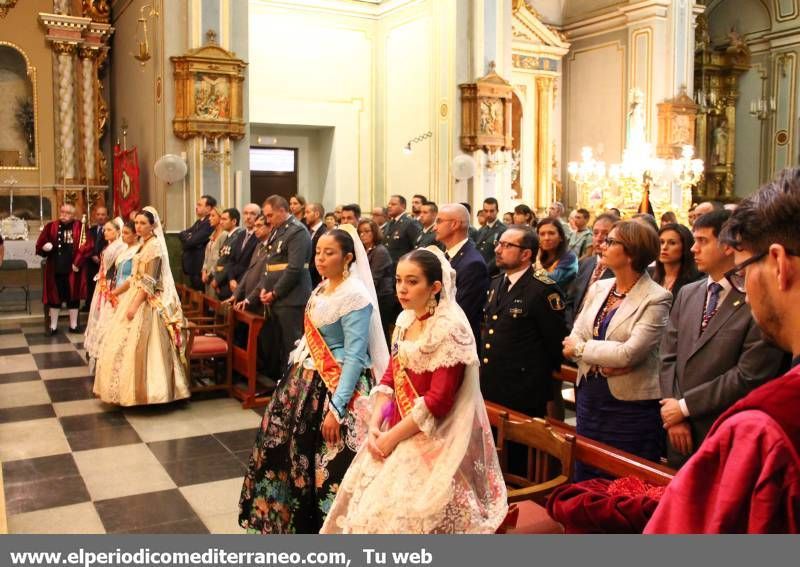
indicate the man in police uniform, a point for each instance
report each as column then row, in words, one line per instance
column 523, row 327
column 489, row 234
column 286, row 284
column 402, row 230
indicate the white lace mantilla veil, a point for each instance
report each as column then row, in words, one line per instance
column 378, row 351
column 169, row 296
column 446, row 479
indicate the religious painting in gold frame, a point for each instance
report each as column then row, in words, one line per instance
column 208, row 94
column 486, row 113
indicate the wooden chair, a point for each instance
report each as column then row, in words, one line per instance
column 550, row 460
column 245, row 360
column 211, row 341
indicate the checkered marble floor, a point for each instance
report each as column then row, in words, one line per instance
column 72, row 464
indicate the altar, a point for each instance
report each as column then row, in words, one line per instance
column 23, row 250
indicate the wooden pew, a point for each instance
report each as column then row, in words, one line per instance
column 609, row 459
column 245, row 359
column 614, row 461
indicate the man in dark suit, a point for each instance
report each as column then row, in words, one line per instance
column 251, row 278
column 590, row 268
column 229, row 220
column 314, row 215
column 286, row 285
column 194, row 240
column 488, row 235
column 472, row 277
column 713, row 353
column 427, row 218
column 523, row 328
column 401, row 231
column 241, row 250
column 100, row 243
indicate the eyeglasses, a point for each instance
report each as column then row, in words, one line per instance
column 612, row 242
column 736, row 275
column 503, row 245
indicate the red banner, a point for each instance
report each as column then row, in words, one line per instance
column 126, row 182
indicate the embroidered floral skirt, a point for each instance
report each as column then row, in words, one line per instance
column 294, row 474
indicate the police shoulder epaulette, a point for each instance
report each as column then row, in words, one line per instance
column 541, row 275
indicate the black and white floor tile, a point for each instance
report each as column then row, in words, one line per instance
column 72, row 464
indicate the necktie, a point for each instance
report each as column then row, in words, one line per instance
column 598, row 271
column 447, row 256
column 503, row 288
column 245, row 239
column 711, row 305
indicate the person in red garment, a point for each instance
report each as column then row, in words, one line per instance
column 65, row 271
column 745, row 477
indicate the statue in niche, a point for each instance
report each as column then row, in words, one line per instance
column 702, row 39
column 635, row 137
column 720, row 135
column 737, row 48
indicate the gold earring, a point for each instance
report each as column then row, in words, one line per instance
column 346, row 272
column 432, row 305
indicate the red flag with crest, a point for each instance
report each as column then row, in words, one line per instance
column 126, row 182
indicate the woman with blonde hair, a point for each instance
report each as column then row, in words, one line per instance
column 213, row 248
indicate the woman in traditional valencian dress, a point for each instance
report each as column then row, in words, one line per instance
column 429, row 464
column 141, row 360
column 103, row 302
column 312, row 429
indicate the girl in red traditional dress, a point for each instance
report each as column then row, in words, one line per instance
column 429, row 464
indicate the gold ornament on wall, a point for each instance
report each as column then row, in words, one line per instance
column 486, row 113
column 676, row 125
column 208, row 93
column 98, row 10
column 6, row 6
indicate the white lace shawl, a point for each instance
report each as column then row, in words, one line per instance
column 443, row 343
column 327, row 309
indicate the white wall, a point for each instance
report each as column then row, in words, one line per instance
column 378, row 76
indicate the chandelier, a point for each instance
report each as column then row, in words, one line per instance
column 641, row 183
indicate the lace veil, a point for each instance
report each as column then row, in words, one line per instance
column 447, row 479
column 169, row 296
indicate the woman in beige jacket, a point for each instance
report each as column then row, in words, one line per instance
column 615, row 342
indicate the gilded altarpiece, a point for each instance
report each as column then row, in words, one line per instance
column 716, row 77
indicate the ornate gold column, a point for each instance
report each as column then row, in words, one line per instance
column 544, row 151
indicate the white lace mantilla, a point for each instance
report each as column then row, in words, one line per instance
column 351, row 295
column 444, row 342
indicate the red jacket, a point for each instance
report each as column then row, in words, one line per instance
column 745, row 477
column 77, row 280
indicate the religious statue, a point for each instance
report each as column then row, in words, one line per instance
column 635, row 137
column 720, row 153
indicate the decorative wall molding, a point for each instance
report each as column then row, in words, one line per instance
column 621, row 17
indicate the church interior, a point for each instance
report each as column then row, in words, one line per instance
column 596, row 104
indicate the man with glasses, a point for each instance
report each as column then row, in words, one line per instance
column 745, row 477
column 523, row 327
column 713, row 353
column 472, row 278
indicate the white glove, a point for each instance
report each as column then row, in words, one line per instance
column 47, row 246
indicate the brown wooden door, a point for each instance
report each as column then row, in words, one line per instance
column 264, row 183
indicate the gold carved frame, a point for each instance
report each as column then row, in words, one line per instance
column 31, row 72
column 208, row 94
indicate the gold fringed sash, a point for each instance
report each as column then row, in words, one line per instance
column 404, row 391
column 328, row 368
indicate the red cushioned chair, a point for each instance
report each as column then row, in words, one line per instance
column 550, row 460
column 211, row 342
